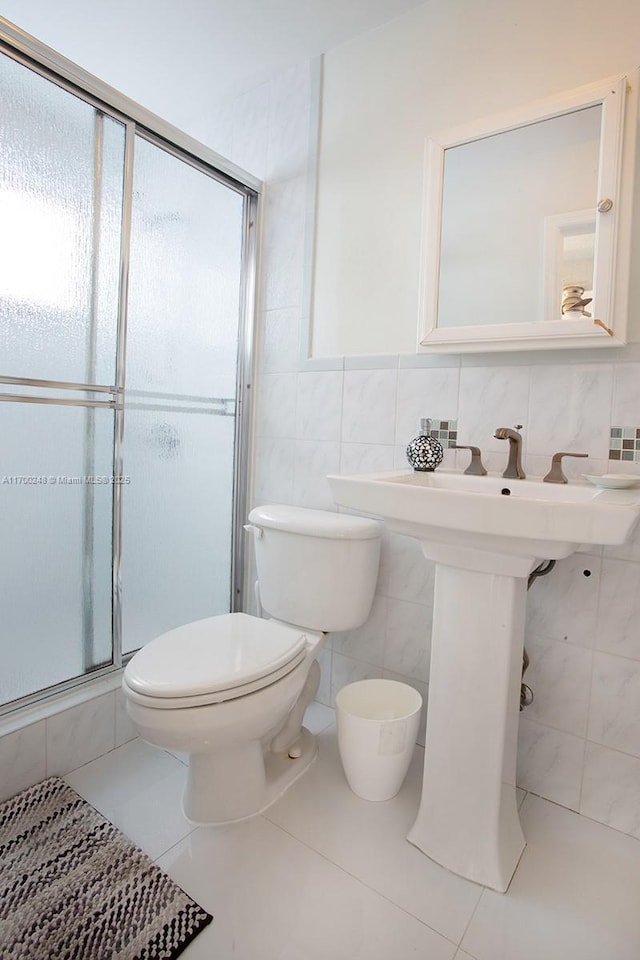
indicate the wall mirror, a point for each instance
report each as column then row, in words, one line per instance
column 527, row 225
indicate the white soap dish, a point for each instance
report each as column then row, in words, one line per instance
column 613, row 481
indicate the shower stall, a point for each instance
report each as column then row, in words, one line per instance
column 127, row 264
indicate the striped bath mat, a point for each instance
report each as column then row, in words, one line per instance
column 73, row 887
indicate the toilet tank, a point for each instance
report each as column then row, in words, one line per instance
column 316, row 569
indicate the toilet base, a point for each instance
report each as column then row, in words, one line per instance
column 227, row 788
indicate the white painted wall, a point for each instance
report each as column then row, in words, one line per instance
column 441, row 65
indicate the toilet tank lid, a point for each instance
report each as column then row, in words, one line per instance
column 316, row 523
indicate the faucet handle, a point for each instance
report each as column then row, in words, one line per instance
column 556, row 475
column 476, row 467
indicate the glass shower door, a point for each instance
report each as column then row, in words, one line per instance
column 126, row 284
column 61, row 199
column 180, row 401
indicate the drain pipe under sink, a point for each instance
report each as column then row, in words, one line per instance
column 526, row 693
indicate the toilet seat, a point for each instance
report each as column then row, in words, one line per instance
column 212, row 660
column 205, row 699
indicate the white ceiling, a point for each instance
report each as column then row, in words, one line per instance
column 225, row 46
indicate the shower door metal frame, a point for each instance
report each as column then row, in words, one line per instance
column 137, row 121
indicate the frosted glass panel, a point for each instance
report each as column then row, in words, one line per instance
column 61, row 182
column 177, row 513
column 55, row 566
column 182, row 341
column 184, row 287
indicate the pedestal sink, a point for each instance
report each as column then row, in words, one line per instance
column 486, row 535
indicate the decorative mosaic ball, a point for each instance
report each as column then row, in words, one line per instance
column 425, row 453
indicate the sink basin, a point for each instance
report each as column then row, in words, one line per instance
column 485, row 535
column 525, row 517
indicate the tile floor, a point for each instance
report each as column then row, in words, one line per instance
column 323, row 875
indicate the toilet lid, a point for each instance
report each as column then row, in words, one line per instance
column 211, row 655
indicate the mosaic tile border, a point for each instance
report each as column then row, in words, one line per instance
column 446, row 431
column 624, row 444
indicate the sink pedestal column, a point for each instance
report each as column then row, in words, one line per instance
column 468, row 817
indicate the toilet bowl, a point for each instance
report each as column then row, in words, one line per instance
column 231, row 690
column 224, row 729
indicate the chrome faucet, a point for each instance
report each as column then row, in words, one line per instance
column 514, row 469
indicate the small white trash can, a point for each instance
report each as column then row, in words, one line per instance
column 377, row 724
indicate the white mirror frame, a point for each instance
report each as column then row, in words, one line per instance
column 608, row 327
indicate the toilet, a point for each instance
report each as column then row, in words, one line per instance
column 231, row 691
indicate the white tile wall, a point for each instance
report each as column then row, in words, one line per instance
column 626, row 395
column 405, row 573
column 489, row 398
column 615, row 695
column 283, row 243
column 581, row 422
column 61, row 743
column 611, row 789
column 319, row 406
column 407, row 645
column 281, row 340
column 314, row 459
column 289, row 119
column 560, row 674
column 369, row 402
column 23, row 759
column 367, row 643
column 618, row 626
column 550, row 763
column 250, row 126
column 273, row 469
column 276, row 408
column 80, row 734
column 434, row 390
column 365, row 457
column 563, row 604
column 326, row 669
